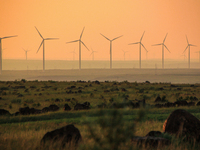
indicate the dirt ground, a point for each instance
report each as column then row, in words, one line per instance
column 191, row 76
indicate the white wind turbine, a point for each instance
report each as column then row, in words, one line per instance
column 43, row 40
column 26, row 52
column 92, row 53
column 124, row 53
column 163, row 46
column 80, row 42
column 111, row 47
column 140, row 44
column 188, row 46
column 1, row 49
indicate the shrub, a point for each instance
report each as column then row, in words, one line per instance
column 16, row 101
column 114, row 131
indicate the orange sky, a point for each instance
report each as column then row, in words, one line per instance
column 65, row 19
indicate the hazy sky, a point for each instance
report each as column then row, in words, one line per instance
column 65, row 19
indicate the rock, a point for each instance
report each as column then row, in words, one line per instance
column 183, row 124
column 66, row 107
column 4, row 112
column 28, row 111
column 181, row 103
column 154, row 133
column 87, row 103
column 81, row 107
column 164, row 125
column 50, row 108
column 57, row 100
column 147, row 82
column 198, row 103
column 158, row 99
column 150, row 142
column 68, row 134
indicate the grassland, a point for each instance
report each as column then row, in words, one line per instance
column 26, row 131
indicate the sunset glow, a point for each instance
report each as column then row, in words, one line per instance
column 65, row 19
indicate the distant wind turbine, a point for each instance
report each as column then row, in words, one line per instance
column 199, row 55
column 43, row 40
column 26, row 52
column 74, row 53
column 188, row 46
column 80, row 42
column 163, row 46
column 146, row 55
column 124, row 53
column 92, row 53
column 111, row 47
column 1, row 49
column 140, row 44
column 184, row 56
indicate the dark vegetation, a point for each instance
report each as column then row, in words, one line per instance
column 96, row 107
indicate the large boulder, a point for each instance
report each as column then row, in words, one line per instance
column 183, row 124
column 68, row 134
column 154, row 133
column 4, row 112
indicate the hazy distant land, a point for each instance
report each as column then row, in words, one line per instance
column 63, row 70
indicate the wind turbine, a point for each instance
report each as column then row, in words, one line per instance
column 111, row 47
column 163, row 46
column 43, row 40
column 199, row 55
column 140, row 44
column 124, row 53
column 92, row 54
column 74, row 53
column 1, row 49
column 80, row 42
column 26, row 52
column 188, row 46
column 184, row 56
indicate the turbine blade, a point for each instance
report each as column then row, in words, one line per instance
column 192, row 45
column 166, row 48
column 82, row 32
column 51, row 39
column 144, row 47
column 187, row 39
column 40, row 46
column 72, row 41
column 23, row 49
column 85, row 46
column 8, row 37
column 133, row 43
column 142, row 36
column 105, row 37
column 185, row 49
column 165, row 38
column 157, row 44
column 39, row 33
column 116, row 38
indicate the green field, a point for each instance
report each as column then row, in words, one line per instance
column 26, row 131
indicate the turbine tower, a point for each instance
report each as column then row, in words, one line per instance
column 140, row 44
column 163, row 46
column 43, row 40
column 124, row 53
column 199, row 55
column 188, row 46
column 74, row 53
column 92, row 54
column 1, row 49
column 80, row 42
column 26, row 52
column 111, row 47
